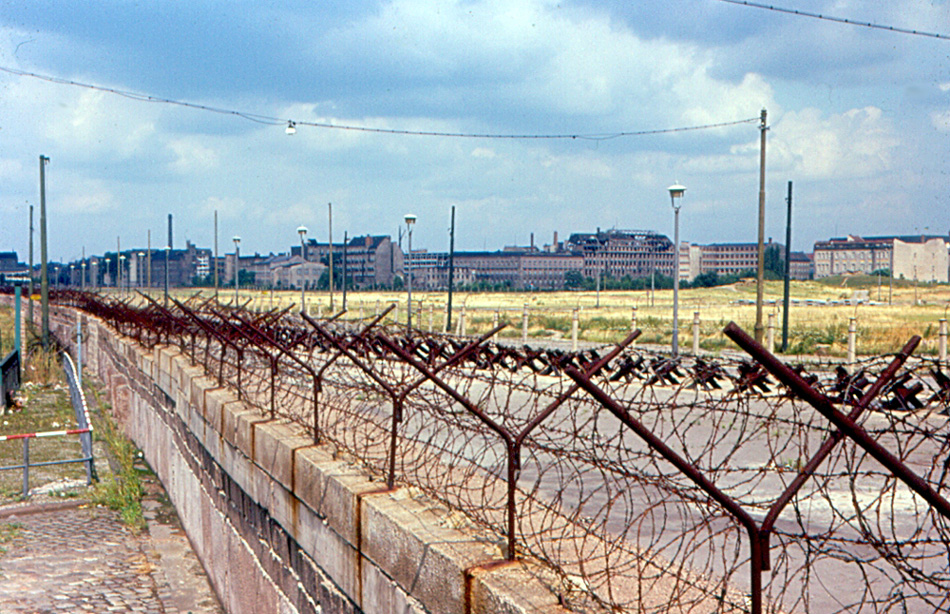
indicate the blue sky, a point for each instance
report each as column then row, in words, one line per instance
column 859, row 119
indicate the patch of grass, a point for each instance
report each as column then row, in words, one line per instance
column 9, row 532
column 122, row 491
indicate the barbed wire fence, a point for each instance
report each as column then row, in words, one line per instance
column 641, row 482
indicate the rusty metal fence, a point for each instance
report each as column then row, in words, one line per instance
column 645, row 483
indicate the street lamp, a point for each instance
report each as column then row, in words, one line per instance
column 138, row 269
column 410, row 221
column 676, row 193
column 237, row 267
column 119, row 273
column 82, row 265
column 302, row 231
column 168, row 249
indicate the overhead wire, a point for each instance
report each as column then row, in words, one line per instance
column 852, row 22
column 275, row 121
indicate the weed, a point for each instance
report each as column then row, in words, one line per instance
column 9, row 532
column 123, row 491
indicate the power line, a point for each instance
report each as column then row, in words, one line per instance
column 276, row 121
column 850, row 22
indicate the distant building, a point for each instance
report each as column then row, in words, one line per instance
column 9, row 262
column 801, row 266
column 919, row 257
column 733, row 258
column 370, row 261
column 623, row 253
column 141, row 267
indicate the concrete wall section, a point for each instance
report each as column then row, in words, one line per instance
column 282, row 525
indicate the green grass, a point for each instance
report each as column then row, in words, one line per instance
column 9, row 532
column 122, row 490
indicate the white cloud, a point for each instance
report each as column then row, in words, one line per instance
column 93, row 123
column 10, row 168
column 483, row 152
column 941, row 120
column 191, row 156
column 856, row 143
column 85, row 198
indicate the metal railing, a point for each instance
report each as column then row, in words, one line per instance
column 83, row 430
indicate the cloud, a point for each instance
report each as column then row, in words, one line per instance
column 85, row 198
column 941, row 120
column 192, row 156
column 856, row 143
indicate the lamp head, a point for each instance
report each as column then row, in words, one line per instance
column 236, row 239
column 676, row 190
column 410, row 219
column 291, row 128
column 302, row 231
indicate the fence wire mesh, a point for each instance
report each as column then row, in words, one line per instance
column 504, row 438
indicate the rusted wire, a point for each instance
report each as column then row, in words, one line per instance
column 623, row 525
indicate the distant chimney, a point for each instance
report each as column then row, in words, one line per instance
column 554, row 245
column 170, row 243
column 532, row 240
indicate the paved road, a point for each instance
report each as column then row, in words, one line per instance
column 80, row 558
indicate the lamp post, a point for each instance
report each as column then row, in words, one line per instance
column 410, row 221
column 676, row 193
column 237, row 267
column 82, row 265
column 302, row 231
column 119, row 274
column 168, row 250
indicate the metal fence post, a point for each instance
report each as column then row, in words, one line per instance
column 574, row 330
column 524, row 324
column 852, row 339
column 770, row 343
column 79, row 352
column 431, row 309
column 943, row 340
column 494, row 324
column 462, row 322
column 26, row 467
column 695, row 333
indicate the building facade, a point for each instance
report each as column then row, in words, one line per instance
column 624, row 253
column 918, row 257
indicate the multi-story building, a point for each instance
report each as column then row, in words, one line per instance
column 620, row 253
column 919, row 257
column 801, row 266
column 369, row 261
column 733, row 258
column 137, row 268
column 519, row 268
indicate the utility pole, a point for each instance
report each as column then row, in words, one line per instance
column 149, row 252
column 44, row 274
column 448, row 309
column 788, row 269
column 330, row 233
column 29, row 303
column 345, row 239
column 214, row 261
column 760, row 277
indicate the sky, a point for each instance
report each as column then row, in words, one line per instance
column 858, row 120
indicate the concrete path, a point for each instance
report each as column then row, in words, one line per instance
column 66, row 556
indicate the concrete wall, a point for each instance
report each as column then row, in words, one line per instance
column 281, row 525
